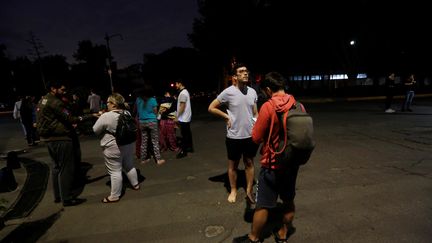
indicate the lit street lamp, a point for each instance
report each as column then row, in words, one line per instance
column 107, row 38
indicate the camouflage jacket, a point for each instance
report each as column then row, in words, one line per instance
column 54, row 120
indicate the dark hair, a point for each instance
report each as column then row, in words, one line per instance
column 236, row 66
column 181, row 81
column 145, row 92
column 274, row 81
column 54, row 84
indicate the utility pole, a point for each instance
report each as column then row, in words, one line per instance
column 37, row 48
column 109, row 61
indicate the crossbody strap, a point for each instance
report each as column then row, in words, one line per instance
column 284, row 116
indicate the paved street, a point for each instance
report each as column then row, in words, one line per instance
column 369, row 180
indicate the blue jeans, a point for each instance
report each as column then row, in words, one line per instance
column 408, row 100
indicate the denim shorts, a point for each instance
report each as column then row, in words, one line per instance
column 274, row 183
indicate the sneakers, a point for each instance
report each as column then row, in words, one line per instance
column 389, row 110
column 245, row 239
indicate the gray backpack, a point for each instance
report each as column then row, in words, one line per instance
column 296, row 130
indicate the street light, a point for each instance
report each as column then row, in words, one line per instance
column 107, row 38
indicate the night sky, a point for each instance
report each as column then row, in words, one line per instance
column 146, row 26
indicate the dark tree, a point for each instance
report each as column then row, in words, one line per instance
column 91, row 69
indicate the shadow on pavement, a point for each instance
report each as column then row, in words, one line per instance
column 32, row 191
column 31, row 231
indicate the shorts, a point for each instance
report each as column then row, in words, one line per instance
column 273, row 183
column 238, row 147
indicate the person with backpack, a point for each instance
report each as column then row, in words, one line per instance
column 275, row 179
column 118, row 156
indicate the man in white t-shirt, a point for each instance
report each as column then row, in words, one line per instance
column 240, row 116
column 184, row 116
column 94, row 100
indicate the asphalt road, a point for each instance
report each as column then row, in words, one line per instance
column 368, row 180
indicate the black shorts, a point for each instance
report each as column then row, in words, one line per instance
column 238, row 147
column 273, row 183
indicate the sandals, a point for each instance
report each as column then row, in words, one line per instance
column 277, row 239
column 107, row 200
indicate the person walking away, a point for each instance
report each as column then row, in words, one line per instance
column 28, row 119
column 94, row 100
column 241, row 103
column 17, row 115
column 147, row 113
column 390, row 90
column 55, row 127
column 167, row 137
column 275, row 180
column 117, row 158
column 183, row 119
column 409, row 86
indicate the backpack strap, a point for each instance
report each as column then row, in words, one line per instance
column 291, row 102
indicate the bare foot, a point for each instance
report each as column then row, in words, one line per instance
column 232, row 197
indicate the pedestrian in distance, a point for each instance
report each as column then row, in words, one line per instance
column 184, row 118
column 275, row 179
column 118, row 158
column 390, row 91
column 17, row 114
column 94, row 100
column 409, row 85
column 28, row 119
column 55, row 125
column 241, row 111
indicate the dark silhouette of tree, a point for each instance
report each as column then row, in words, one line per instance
column 306, row 37
column 26, row 77
column 91, row 68
column 174, row 63
column 6, row 74
column 56, row 67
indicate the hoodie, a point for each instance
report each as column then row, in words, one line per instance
column 260, row 132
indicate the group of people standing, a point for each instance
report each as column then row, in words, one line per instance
column 246, row 129
column 157, row 123
column 408, row 87
column 56, row 125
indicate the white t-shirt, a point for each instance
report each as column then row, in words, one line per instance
column 240, row 111
column 17, row 108
column 186, row 116
column 94, row 101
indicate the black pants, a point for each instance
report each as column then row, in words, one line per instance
column 63, row 170
column 389, row 98
column 186, row 133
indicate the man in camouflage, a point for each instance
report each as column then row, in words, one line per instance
column 55, row 125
